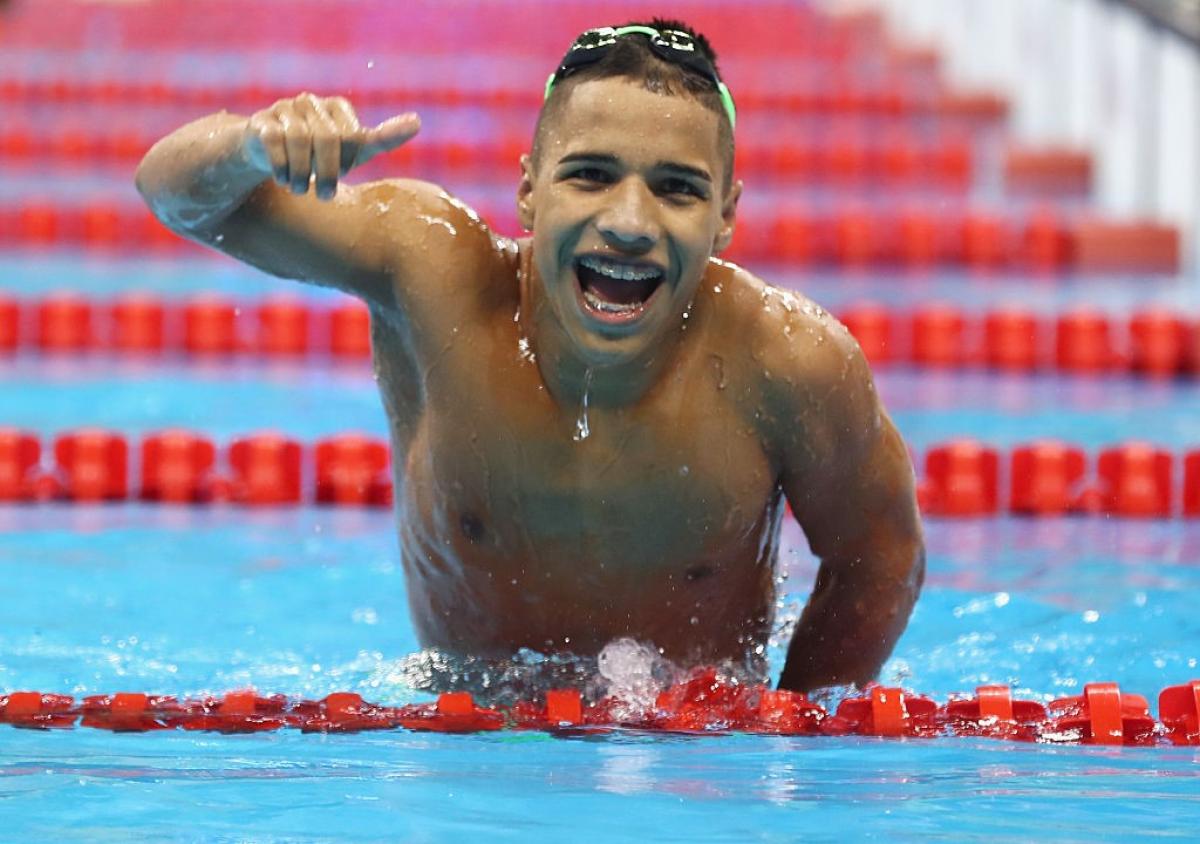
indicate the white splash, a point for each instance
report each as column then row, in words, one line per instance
column 629, row 668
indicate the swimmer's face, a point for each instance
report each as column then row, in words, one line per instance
column 626, row 205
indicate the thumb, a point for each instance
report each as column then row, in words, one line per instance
column 391, row 133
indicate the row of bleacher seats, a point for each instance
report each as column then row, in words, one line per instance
column 47, row 101
column 825, row 97
column 515, row 27
column 916, row 238
column 897, row 161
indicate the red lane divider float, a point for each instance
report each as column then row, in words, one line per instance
column 1047, row 478
column 183, row 467
column 204, row 327
column 705, row 703
column 961, row 478
column 1151, row 343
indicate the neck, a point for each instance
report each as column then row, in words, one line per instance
column 568, row 372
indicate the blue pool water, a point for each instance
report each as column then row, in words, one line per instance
column 306, row 601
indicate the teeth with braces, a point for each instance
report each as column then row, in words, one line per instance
column 599, row 304
column 620, row 272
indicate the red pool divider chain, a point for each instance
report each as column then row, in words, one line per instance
column 206, row 327
column 1152, row 342
column 1048, row 478
column 962, row 478
column 181, row 467
column 705, row 703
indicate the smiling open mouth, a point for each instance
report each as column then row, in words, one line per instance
column 616, row 291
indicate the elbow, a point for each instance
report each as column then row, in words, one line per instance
column 148, row 187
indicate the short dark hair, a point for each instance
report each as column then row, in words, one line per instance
column 632, row 58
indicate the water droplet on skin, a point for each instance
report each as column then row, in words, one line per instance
column 683, row 471
column 719, row 366
column 717, row 288
column 524, row 352
column 694, row 620
column 582, row 431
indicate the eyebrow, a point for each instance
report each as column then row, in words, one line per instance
column 611, row 160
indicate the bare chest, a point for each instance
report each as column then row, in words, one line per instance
column 497, row 470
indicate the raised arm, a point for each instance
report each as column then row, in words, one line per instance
column 265, row 189
column 850, row 484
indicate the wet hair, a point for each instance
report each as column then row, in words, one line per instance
column 631, row 58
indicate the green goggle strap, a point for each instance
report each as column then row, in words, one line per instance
column 726, row 97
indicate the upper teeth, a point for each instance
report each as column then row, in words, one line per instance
column 621, row 272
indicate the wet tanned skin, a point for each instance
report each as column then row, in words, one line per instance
column 662, row 523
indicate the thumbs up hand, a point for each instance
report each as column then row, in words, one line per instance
column 310, row 140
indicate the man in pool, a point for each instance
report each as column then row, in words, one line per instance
column 594, row 427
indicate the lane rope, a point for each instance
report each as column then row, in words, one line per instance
column 705, row 703
column 1152, row 342
column 960, row 478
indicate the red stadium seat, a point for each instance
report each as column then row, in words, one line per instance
column 1046, row 244
column 1013, row 340
column 1136, row 247
column 1083, row 342
column 1157, row 340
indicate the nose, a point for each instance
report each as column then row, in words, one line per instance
column 629, row 220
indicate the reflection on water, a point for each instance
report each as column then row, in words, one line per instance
column 626, row 768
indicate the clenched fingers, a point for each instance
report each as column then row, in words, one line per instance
column 310, row 140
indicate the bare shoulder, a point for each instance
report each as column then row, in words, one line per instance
column 788, row 334
column 803, row 366
column 428, row 240
column 383, row 241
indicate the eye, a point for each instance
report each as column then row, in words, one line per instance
column 681, row 188
column 593, row 175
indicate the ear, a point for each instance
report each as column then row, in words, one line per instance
column 728, row 218
column 525, row 194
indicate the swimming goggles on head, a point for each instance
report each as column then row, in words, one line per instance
column 668, row 44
